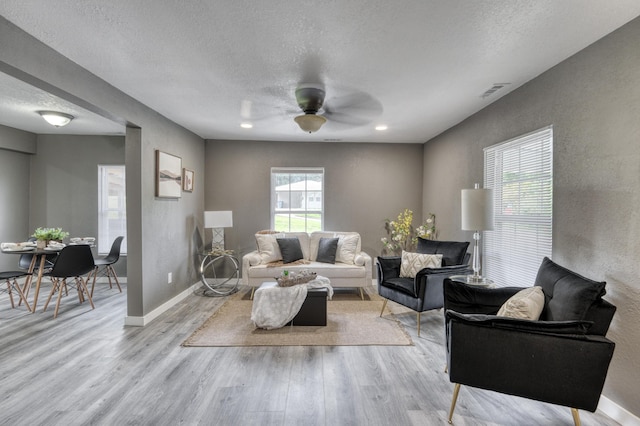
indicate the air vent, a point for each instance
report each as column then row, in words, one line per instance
column 493, row 89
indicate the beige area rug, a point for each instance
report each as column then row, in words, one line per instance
column 350, row 322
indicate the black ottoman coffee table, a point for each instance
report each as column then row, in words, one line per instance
column 313, row 311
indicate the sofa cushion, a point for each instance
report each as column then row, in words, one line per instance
column 452, row 251
column 568, row 295
column 525, row 304
column 405, row 285
column 268, row 247
column 327, row 248
column 290, row 249
column 347, row 248
column 412, row 263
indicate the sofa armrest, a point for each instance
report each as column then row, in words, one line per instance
column 388, row 267
column 577, row 329
column 363, row 259
column 250, row 259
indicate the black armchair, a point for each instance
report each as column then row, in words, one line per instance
column 424, row 292
column 562, row 358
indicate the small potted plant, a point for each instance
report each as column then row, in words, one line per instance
column 44, row 235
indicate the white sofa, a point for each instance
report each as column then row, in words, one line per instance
column 352, row 269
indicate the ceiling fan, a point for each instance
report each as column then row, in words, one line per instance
column 353, row 109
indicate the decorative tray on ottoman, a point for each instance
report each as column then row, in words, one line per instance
column 294, row 278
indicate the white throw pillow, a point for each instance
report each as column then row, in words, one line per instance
column 346, row 251
column 412, row 263
column 525, row 304
column 268, row 247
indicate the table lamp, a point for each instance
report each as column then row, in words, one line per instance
column 217, row 221
column 477, row 216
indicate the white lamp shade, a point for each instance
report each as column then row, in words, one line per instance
column 218, row 219
column 477, row 209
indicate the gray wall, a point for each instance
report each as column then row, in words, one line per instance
column 64, row 182
column 593, row 102
column 14, row 188
column 364, row 184
column 160, row 233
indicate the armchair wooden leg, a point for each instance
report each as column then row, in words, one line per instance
column 361, row 293
column 576, row 416
column 418, row 320
column 456, row 389
column 253, row 290
column 384, row 305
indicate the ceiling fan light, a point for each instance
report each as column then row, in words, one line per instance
column 310, row 122
column 57, row 119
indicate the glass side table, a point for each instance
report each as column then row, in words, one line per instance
column 214, row 285
column 471, row 280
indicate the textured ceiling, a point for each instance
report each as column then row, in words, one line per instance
column 417, row 66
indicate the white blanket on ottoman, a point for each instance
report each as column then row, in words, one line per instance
column 275, row 306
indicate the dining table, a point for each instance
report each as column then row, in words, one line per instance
column 39, row 259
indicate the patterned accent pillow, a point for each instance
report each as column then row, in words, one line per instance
column 525, row 304
column 412, row 263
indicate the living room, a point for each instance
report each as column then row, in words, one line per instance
column 591, row 99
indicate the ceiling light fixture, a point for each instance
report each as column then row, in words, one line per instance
column 57, row 119
column 246, row 125
column 310, row 122
column 381, row 127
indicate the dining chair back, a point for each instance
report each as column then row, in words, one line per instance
column 106, row 263
column 73, row 262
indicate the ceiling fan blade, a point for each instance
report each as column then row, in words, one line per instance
column 353, row 109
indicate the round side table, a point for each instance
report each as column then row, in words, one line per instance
column 219, row 286
column 470, row 280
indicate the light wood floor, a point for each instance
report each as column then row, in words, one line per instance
column 85, row 367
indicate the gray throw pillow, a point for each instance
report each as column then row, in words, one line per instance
column 290, row 249
column 327, row 248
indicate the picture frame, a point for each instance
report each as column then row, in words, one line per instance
column 168, row 175
column 187, row 180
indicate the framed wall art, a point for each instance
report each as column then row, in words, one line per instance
column 187, row 180
column 168, row 175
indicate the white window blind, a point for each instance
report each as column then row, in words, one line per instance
column 112, row 207
column 520, row 173
column 297, row 199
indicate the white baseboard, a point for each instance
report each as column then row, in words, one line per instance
column 146, row 319
column 617, row 413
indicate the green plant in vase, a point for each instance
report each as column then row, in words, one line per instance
column 44, row 235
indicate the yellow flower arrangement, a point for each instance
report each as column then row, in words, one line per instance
column 401, row 235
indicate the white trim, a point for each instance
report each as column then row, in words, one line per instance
column 144, row 320
column 617, row 413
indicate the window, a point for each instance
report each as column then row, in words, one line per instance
column 520, row 173
column 112, row 208
column 297, row 199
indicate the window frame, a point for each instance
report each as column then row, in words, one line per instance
column 306, row 194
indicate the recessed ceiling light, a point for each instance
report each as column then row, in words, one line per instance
column 381, row 127
column 246, row 125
